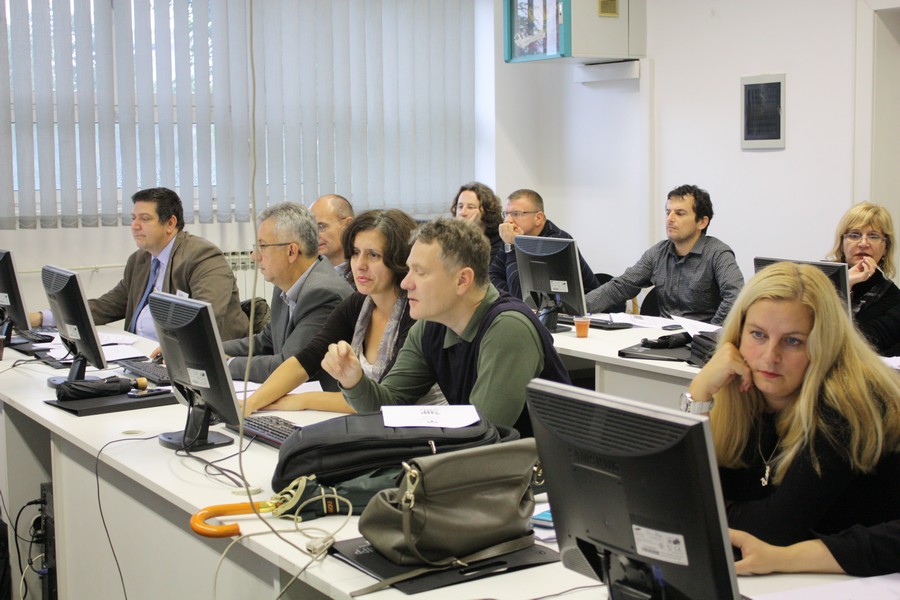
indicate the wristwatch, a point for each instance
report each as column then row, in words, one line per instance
column 689, row 405
column 507, row 247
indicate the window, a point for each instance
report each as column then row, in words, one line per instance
column 370, row 100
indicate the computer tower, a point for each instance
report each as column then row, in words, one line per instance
column 48, row 542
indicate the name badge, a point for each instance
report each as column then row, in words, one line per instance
column 181, row 294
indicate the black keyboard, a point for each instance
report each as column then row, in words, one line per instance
column 268, row 429
column 37, row 335
column 152, row 370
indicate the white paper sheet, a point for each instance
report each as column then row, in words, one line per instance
column 309, row 386
column 451, row 416
column 886, row 587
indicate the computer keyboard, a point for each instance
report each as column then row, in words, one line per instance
column 38, row 335
column 268, row 429
column 152, row 370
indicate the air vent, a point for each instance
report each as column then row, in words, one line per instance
column 612, row 432
column 171, row 315
column 608, row 8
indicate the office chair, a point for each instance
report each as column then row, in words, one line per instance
column 261, row 316
column 615, row 308
column 650, row 305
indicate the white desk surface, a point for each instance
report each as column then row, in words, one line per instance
column 182, row 482
column 603, row 346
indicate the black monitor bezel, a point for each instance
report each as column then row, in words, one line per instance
column 15, row 313
column 171, row 315
column 530, row 249
column 570, row 424
column 74, row 321
column 830, row 269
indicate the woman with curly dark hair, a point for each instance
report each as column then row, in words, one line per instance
column 478, row 203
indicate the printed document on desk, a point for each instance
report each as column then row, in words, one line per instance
column 309, row 386
column 115, row 347
column 885, row 586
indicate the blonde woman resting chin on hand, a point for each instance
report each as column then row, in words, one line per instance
column 374, row 320
column 806, row 418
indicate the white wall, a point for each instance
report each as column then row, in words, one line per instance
column 604, row 155
column 590, row 167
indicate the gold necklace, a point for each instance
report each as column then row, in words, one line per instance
column 764, row 480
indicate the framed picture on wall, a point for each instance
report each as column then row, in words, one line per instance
column 762, row 111
column 536, row 29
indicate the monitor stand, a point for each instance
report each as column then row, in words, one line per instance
column 548, row 316
column 196, row 435
column 76, row 373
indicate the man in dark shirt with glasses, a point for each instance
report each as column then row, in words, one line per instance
column 524, row 215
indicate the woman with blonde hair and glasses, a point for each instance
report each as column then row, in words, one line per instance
column 865, row 241
column 806, row 417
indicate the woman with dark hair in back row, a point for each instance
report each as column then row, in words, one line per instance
column 374, row 319
column 479, row 204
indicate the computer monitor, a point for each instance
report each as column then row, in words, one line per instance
column 12, row 303
column 550, row 274
column 835, row 271
column 192, row 349
column 634, row 492
column 74, row 322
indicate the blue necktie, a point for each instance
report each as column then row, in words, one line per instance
column 154, row 271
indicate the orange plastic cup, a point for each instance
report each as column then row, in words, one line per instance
column 582, row 326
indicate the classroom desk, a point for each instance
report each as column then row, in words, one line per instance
column 654, row 381
column 148, row 494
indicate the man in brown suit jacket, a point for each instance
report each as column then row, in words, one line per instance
column 189, row 266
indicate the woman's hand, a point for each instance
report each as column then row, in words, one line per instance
column 759, row 558
column 726, row 364
column 862, row 271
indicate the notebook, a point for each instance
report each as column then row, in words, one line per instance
column 359, row 553
column 108, row 404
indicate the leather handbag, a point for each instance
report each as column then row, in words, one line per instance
column 345, row 447
column 455, row 508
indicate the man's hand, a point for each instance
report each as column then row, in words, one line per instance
column 509, row 231
column 341, row 363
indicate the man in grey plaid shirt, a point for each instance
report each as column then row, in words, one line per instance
column 695, row 275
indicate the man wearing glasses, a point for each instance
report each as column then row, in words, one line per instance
column 695, row 275
column 524, row 215
column 307, row 289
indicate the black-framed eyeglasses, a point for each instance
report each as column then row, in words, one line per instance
column 515, row 214
column 871, row 237
column 260, row 247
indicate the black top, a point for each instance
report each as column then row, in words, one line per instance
column 340, row 326
column 867, row 551
column 805, row 502
column 876, row 303
column 456, row 367
column 493, row 236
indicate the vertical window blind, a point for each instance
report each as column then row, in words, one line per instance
column 371, row 99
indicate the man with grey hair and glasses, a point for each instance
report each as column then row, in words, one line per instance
column 307, row 289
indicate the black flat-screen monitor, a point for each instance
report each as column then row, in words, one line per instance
column 550, row 274
column 835, row 271
column 192, row 349
column 74, row 322
column 635, row 496
column 12, row 303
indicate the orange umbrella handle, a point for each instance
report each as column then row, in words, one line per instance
column 200, row 526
